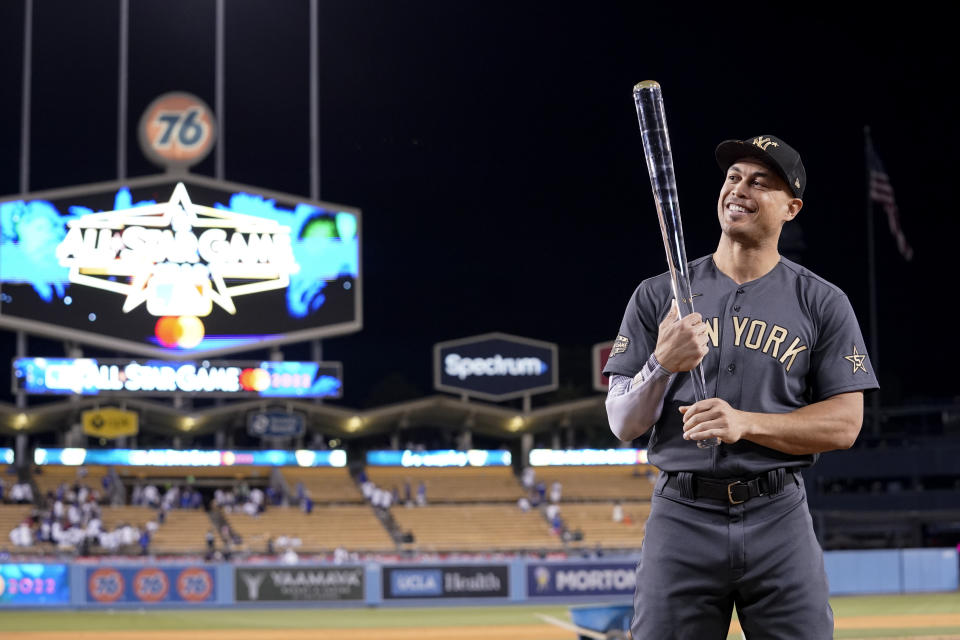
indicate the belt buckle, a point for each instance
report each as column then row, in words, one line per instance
column 730, row 493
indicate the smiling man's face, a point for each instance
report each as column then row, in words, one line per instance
column 754, row 203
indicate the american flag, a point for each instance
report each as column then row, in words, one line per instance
column 881, row 192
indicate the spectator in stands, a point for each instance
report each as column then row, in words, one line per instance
column 523, row 504
column 556, row 525
column 22, row 535
column 144, row 542
column 617, row 511
column 367, row 488
column 73, row 515
column 340, row 555
column 552, row 511
column 407, row 493
column 421, row 494
column 2, row 486
column 21, row 493
column 289, row 556
column 307, row 503
column 556, row 490
column 257, row 499
column 386, row 499
column 528, row 477
column 94, row 528
column 151, row 496
column 541, row 489
column 211, row 541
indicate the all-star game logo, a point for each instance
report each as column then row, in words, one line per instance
column 179, row 259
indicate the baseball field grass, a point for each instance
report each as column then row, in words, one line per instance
column 926, row 617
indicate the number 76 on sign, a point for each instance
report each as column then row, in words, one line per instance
column 177, row 130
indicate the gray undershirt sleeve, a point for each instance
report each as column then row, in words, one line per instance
column 634, row 404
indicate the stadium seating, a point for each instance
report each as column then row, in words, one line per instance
column 200, row 475
column 475, row 527
column 324, row 485
column 595, row 521
column 112, row 517
column 183, row 531
column 601, row 482
column 452, row 484
column 49, row 477
column 354, row 527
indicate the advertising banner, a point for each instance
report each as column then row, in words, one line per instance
column 178, row 268
column 110, row 422
column 33, row 584
column 495, row 366
column 599, row 356
column 150, row 585
column 276, row 423
column 191, row 457
column 440, row 458
column 229, row 378
column 300, row 584
column 581, row 579
column 447, row 581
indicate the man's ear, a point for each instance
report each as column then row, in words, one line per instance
column 793, row 208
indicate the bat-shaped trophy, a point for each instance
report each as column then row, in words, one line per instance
column 656, row 147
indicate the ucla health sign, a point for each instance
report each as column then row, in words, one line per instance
column 171, row 267
column 446, row 581
column 91, row 377
column 495, row 366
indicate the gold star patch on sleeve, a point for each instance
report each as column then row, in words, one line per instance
column 619, row 345
column 857, row 359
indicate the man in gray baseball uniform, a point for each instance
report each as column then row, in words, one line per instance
column 786, row 366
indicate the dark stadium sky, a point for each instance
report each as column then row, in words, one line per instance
column 493, row 148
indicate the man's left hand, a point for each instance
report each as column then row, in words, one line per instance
column 713, row 418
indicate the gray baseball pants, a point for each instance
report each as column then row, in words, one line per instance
column 701, row 557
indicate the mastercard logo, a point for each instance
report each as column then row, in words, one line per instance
column 254, row 379
column 184, row 332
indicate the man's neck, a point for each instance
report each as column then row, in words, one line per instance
column 743, row 264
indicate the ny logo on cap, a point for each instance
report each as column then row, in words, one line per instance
column 763, row 143
column 797, row 183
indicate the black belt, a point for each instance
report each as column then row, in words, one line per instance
column 734, row 491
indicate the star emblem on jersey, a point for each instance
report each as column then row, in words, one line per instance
column 857, row 359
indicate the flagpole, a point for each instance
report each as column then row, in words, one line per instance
column 872, row 286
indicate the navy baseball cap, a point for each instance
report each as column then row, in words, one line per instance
column 771, row 151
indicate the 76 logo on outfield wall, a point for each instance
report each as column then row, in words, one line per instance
column 105, row 585
column 177, row 130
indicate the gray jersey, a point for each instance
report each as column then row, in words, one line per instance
column 777, row 343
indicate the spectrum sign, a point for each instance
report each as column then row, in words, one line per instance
column 262, row 379
column 495, row 366
column 172, row 268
